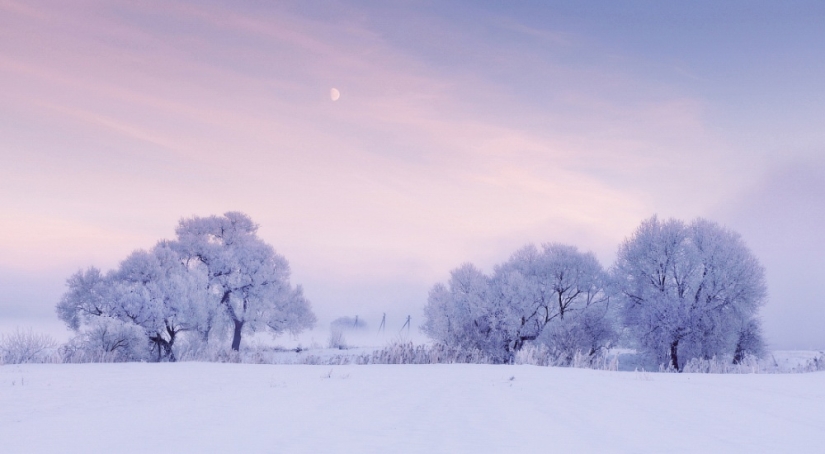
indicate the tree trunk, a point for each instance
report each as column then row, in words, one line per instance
column 164, row 348
column 739, row 353
column 169, row 352
column 674, row 356
column 236, row 336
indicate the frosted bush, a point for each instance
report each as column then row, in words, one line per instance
column 813, row 365
column 749, row 364
column 27, row 347
column 107, row 339
column 541, row 355
column 407, row 353
column 194, row 348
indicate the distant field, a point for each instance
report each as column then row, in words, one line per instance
column 213, row 407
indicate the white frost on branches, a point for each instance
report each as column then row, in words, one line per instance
column 217, row 277
column 555, row 296
column 690, row 291
column 249, row 279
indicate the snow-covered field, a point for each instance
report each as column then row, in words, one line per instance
column 213, row 407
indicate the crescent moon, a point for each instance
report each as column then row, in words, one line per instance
column 334, row 94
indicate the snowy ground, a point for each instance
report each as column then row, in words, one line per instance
column 212, row 407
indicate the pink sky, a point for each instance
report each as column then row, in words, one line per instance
column 453, row 140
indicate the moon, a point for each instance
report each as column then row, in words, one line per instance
column 334, row 94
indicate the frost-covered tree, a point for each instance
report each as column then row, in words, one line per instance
column 565, row 291
column 158, row 292
column 690, row 291
column 557, row 287
column 89, row 308
column 88, row 297
column 218, row 276
column 152, row 296
column 464, row 314
column 249, row 280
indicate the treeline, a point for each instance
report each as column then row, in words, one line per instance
column 676, row 292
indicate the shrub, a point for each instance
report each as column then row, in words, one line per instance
column 748, row 364
column 107, row 340
column 542, row 355
column 21, row 347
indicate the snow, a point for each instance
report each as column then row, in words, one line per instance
column 457, row 408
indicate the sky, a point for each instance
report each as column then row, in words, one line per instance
column 463, row 131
